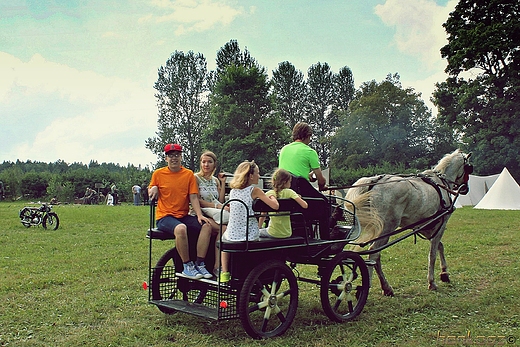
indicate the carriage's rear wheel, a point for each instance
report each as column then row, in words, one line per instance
column 344, row 287
column 163, row 284
column 268, row 300
column 162, row 280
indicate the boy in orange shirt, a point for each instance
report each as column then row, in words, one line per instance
column 175, row 187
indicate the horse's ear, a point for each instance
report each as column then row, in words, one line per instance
column 468, row 155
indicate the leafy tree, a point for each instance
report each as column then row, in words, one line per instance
column 483, row 109
column 182, row 91
column 344, row 88
column 242, row 126
column 320, row 100
column 35, row 184
column 385, row 124
column 230, row 54
column 289, row 92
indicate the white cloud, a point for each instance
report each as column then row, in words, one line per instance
column 39, row 75
column 193, row 15
column 117, row 115
column 418, row 27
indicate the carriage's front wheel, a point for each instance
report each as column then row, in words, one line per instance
column 268, row 300
column 344, row 287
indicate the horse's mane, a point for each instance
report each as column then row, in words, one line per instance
column 443, row 163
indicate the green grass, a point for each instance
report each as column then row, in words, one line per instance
column 81, row 286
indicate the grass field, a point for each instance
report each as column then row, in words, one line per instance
column 81, row 286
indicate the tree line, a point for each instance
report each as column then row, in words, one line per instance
column 67, row 182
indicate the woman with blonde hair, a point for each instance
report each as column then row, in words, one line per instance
column 241, row 227
column 212, row 194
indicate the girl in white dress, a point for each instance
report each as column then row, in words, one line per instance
column 240, row 227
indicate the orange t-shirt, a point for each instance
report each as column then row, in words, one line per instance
column 174, row 191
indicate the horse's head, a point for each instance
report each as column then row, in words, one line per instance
column 456, row 169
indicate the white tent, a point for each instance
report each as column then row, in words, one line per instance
column 478, row 187
column 504, row 194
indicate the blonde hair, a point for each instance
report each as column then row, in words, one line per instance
column 279, row 180
column 212, row 156
column 241, row 177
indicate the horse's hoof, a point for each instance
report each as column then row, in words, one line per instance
column 432, row 286
column 388, row 292
column 445, row 277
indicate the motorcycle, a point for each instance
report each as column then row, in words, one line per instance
column 33, row 216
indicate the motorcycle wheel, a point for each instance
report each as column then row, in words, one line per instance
column 51, row 220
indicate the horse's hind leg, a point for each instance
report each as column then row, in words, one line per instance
column 445, row 277
column 376, row 257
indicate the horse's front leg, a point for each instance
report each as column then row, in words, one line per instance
column 434, row 246
column 445, row 276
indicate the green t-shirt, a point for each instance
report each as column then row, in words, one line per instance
column 299, row 159
column 280, row 226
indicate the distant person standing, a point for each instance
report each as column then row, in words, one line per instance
column 113, row 191
column 136, row 190
column 144, row 193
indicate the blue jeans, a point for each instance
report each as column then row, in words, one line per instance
column 168, row 223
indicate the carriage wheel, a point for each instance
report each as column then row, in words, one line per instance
column 344, row 287
column 268, row 300
column 51, row 220
column 25, row 216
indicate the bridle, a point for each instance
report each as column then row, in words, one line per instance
column 463, row 188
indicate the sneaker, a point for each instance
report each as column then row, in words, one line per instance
column 225, row 277
column 201, row 268
column 190, row 271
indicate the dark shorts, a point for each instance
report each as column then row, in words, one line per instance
column 168, row 223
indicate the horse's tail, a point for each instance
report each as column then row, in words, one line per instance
column 370, row 221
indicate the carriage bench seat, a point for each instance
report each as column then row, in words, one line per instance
column 264, row 243
column 157, row 234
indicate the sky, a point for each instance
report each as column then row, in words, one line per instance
column 77, row 76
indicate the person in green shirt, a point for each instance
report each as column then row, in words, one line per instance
column 299, row 158
column 302, row 161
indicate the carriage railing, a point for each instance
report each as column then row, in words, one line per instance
column 265, row 244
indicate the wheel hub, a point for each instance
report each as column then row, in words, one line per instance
column 272, row 301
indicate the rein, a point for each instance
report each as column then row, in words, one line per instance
column 372, row 183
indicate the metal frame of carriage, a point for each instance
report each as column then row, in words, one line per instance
column 263, row 292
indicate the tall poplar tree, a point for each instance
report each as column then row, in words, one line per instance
column 182, row 101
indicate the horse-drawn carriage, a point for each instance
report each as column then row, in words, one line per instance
column 263, row 292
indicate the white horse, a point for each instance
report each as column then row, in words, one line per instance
column 387, row 202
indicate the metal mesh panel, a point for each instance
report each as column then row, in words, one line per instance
column 201, row 297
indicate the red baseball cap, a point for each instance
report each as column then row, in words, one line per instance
column 172, row 147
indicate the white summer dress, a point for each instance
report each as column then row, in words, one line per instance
column 237, row 227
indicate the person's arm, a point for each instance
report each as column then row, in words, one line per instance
column 194, row 200
column 301, row 202
column 270, row 201
column 221, row 186
column 322, row 182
